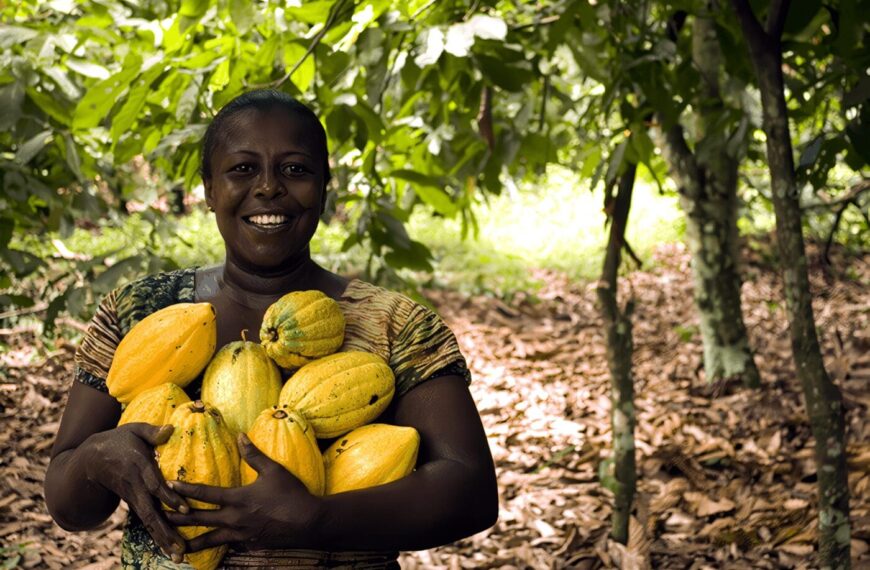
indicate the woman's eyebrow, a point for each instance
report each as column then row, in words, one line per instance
column 283, row 154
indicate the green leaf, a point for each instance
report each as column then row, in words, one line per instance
column 429, row 189
column 109, row 279
column 193, row 8
column 314, row 12
column 221, row 76
column 11, row 98
column 416, row 257
column 508, row 77
column 23, row 263
column 11, row 35
column 615, row 163
column 49, row 105
column 32, row 147
column 98, row 101
column 72, row 156
column 126, row 117
column 243, row 13
column 7, row 227
column 811, row 153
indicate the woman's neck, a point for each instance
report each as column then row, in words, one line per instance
column 297, row 276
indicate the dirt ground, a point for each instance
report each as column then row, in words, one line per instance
column 726, row 476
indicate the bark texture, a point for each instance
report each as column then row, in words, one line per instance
column 617, row 325
column 707, row 180
column 823, row 399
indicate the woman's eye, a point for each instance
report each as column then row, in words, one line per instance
column 244, row 168
column 294, row 169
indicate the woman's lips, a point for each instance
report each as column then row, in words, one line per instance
column 269, row 223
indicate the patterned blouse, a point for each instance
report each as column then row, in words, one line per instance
column 410, row 337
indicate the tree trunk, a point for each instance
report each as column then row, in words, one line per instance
column 823, row 399
column 707, row 181
column 617, row 325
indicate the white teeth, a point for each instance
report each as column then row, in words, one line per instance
column 270, row 219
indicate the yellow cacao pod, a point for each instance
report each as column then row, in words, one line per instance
column 340, row 392
column 170, row 345
column 285, row 437
column 201, row 449
column 300, row 327
column 241, row 381
column 369, row 456
column 155, row 405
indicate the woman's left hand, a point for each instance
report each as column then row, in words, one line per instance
column 265, row 514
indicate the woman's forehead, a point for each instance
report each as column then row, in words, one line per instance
column 274, row 125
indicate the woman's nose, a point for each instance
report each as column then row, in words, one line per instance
column 269, row 185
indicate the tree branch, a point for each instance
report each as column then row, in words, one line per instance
column 776, row 18
column 681, row 159
column 850, row 196
column 333, row 16
column 755, row 34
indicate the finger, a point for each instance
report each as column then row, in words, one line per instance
column 258, row 460
column 219, row 496
column 164, row 535
column 155, row 435
column 157, row 486
column 200, row 517
column 214, row 538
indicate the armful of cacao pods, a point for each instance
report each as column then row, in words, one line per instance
column 452, row 494
column 94, row 465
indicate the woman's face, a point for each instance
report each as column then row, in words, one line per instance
column 266, row 187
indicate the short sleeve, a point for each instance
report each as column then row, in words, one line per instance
column 95, row 352
column 423, row 347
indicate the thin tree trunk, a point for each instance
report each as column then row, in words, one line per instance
column 823, row 399
column 707, row 181
column 617, row 324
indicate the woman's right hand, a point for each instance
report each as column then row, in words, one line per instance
column 122, row 461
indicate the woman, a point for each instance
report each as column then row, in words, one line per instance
column 265, row 171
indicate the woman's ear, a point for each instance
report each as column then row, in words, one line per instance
column 206, row 184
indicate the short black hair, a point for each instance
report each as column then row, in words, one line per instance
column 261, row 100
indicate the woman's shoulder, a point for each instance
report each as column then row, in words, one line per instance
column 366, row 294
column 145, row 295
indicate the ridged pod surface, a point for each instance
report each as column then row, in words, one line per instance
column 340, row 392
column 285, row 437
column 202, row 450
column 155, row 405
column 372, row 455
column 241, row 381
column 170, row 345
column 300, row 327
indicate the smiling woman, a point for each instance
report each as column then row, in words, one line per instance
column 265, row 170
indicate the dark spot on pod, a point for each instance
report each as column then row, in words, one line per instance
column 373, row 400
column 177, row 347
column 344, row 442
column 182, row 473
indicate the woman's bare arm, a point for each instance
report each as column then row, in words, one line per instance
column 94, row 465
column 73, row 501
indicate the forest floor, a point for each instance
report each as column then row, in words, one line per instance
column 725, row 475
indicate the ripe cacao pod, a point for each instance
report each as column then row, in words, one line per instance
column 340, row 392
column 170, row 345
column 155, row 405
column 285, row 437
column 300, row 327
column 372, row 455
column 201, row 449
column 241, row 381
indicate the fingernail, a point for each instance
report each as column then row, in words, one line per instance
column 243, row 439
column 183, row 509
column 171, row 484
column 177, row 558
column 178, row 549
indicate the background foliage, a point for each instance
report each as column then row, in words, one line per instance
column 439, row 114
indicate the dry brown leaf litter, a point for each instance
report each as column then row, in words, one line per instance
column 726, row 476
